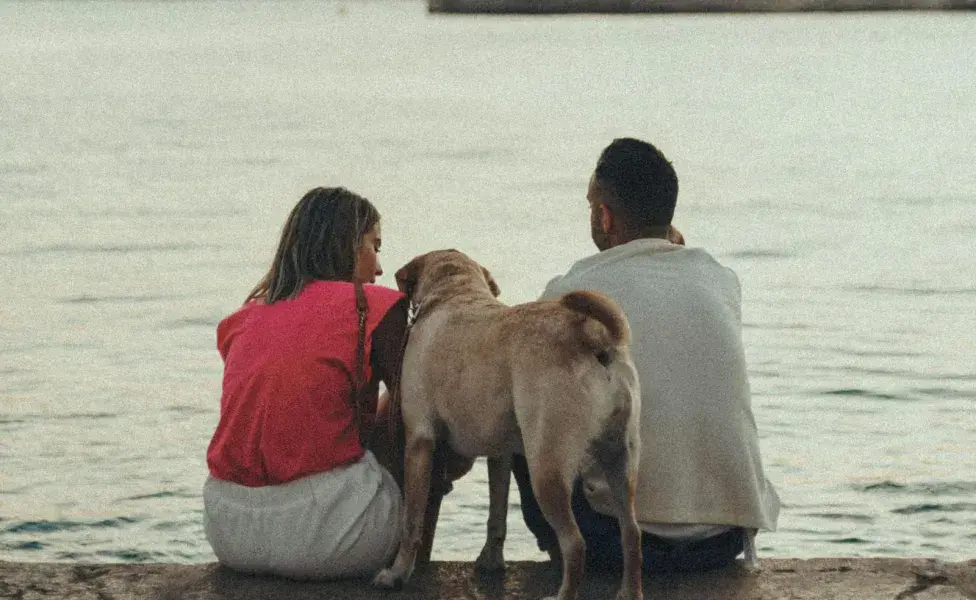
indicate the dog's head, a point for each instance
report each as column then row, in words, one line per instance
column 427, row 272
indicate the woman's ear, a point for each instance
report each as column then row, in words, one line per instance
column 407, row 276
column 491, row 282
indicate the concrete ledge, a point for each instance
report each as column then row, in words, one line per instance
column 813, row 579
column 686, row 6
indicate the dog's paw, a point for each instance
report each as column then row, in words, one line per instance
column 388, row 579
column 491, row 560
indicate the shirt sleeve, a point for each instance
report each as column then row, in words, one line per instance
column 227, row 330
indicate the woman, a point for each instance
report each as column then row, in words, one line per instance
column 292, row 491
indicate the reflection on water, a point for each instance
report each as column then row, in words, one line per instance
column 151, row 150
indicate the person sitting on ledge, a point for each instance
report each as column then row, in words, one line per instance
column 701, row 491
column 292, row 490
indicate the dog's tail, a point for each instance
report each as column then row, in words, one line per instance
column 599, row 307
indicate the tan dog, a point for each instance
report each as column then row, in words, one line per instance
column 550, row 379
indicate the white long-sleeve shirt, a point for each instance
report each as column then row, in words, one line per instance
column 700, row 462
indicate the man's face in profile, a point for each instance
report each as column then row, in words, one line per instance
column 595, row 194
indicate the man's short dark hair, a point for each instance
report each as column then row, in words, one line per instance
column 641, row 182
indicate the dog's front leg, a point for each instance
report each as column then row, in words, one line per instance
column 419, row 452
column 492, row 557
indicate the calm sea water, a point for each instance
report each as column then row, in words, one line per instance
column 149, row 152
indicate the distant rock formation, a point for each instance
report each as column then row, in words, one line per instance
column 688, row 6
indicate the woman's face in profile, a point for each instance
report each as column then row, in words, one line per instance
column 367, row 260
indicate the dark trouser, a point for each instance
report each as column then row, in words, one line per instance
column 602, row 536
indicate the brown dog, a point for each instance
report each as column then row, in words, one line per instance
column 552, row 380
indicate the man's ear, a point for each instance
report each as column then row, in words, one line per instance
column 407, row 276
column 491, row 282
column 606, row 218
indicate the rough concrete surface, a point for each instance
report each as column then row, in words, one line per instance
column 776, row 579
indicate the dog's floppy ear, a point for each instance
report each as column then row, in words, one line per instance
column 491, row 282
column 407, row 276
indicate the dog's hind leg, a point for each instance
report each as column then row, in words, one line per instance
column 616, row 453
column 553, row 491
column 492, row 557
column 419, row 453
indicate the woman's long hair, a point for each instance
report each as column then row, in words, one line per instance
column 320, row 240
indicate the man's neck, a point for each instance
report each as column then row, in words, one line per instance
column 627, row 235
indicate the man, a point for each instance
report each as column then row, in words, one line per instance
column 701, row 491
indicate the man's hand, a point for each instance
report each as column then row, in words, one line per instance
column 674, row 236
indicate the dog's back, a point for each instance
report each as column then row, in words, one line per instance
column 575, row 379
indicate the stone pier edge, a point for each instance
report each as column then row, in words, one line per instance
column 776, row 579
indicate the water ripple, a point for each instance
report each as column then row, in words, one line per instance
column 73, row 416
column 882, row 353
column 32, row 545
column 925, row 508
column 864, row 394
column 114, row 249
column 466, row 154
column 761, row 254
column 163, row 494
column 87, row 299
column 907, row 374
column 56, row 526
column 191, row 410
column 776, row 326
column 842, row 517
column 940, row 392
column 208, row 322
column 131, row 555
column 123, row 555
column 934, row 488
column 912, row 291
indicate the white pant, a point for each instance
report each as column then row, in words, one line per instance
column 343, row 523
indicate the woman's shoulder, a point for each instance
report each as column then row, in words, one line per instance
column 382, row 292
column 379, row 297
column 231, row 325
column 347, row 289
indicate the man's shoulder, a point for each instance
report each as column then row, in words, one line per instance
column 600, row 278
column 575, row 279
column 637, row 271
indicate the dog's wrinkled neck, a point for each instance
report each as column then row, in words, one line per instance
column 449, row 290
